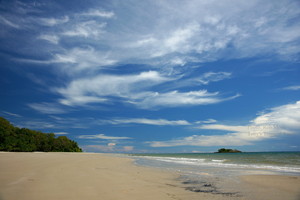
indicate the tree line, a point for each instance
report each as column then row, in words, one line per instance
column 25, row 140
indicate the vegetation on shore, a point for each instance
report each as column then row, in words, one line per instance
column 25, row 140
column 223, row 150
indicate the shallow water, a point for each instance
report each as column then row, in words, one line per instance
column 219, row 174
column 224, row 164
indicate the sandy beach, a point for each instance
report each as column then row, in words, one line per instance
column 36, row 176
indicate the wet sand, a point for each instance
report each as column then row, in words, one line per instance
column 66, row 176
column 272, row 187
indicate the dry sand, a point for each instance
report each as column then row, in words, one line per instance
column 83, row 176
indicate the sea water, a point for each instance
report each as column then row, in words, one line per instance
column 225, row 163
column 218, row 173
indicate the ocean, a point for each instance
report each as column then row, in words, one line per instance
column 223, row 164
column 218, row 173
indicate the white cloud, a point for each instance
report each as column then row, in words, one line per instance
column 61, row 133
column 36, row 125
column 287, row 117
column 103, row 137
column 293, row 87
column 210, row 32
column 11, row 114
column 204, row 79
column 177, row 41
column 208, row 77
column 98, row 13
column 7, row 22
column 95, row 89
column 175, row 98
column 159, row 122
column 143, row 42
column 249, row 29
column 82, row 59
column 86, row 29
column 208, row 121
column 50, row 38
column 87, row 42
column 202, row 140
column 225, row 127
column 275, row 123
column 135, row 89
column 81, row 100
column 47, row 108
column 51, row 21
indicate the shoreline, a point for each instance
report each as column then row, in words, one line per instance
column 35, row 176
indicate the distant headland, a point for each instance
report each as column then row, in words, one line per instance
column 223, row 150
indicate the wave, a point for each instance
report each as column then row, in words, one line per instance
column 223, row 163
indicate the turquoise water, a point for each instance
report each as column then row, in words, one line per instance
column 225, row 163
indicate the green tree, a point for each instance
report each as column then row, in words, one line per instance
column 23, row 139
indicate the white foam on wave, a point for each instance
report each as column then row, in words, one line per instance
column 219, row 160
column 220, row 163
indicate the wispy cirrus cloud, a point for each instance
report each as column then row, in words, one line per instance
column 50, row 38
column 61, row 133
column 176, row 38
column 136, row 90
column 87, row 59
column 48, row 108
column 204, row 79
column 157, row 122
column 89, row 90
column 201, row 35
column 278, row 121
column 177, row 99
column 98, row 13
column 293, row 87
column 51, row 21
column 7, row 22
column 37, row 124
column 208, row 77
column 86, row 29
column 208, row 121
column 103, row 137
column 10, row 114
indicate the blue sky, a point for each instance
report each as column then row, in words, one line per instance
column 154, row 76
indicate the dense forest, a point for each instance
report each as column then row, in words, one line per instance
column 26, row 140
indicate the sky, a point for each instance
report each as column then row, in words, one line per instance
column 154, row 76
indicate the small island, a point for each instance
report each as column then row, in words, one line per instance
column 223, row 150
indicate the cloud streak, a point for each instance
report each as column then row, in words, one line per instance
column 293, row 87
column 278, row 121
column 103, row 137
column 96, row 89
column 51, row 21
column 136, row 90
column 48, row 108
column 177, row 99
column 157, row 122
column 98, row 13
